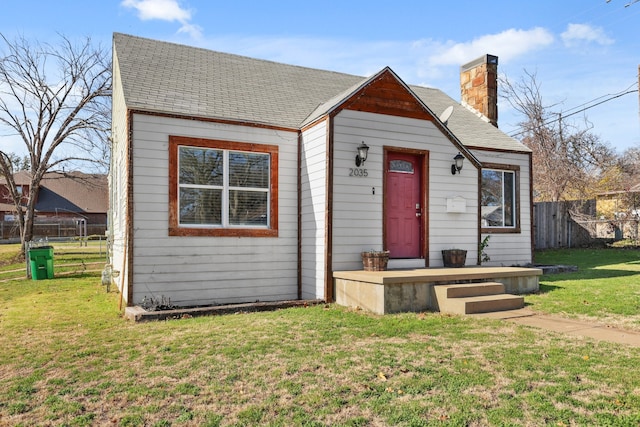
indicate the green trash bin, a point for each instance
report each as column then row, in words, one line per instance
column 41, row 261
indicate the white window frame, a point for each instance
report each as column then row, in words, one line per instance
column 226, row 188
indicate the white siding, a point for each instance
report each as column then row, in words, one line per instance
column 208, row 270
column 452, row 230
column 313, row 206
column 118, row 181
column 507, row 249
column 357, row 212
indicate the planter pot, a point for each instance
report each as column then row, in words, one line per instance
column 375, row 260
column 454, row 257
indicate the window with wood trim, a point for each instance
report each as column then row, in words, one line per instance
column 499, row 196
column 222, row 188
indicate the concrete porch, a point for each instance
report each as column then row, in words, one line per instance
column 403, row 290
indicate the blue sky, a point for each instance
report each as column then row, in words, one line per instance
column 583, row 52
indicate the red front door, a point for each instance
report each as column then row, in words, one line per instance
column 403, row 205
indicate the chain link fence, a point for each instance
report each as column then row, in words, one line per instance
column 53, row 229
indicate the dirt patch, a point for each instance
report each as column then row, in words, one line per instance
column 139, row 314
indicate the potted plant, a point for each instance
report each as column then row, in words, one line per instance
column 454, row 257
column 375, row 260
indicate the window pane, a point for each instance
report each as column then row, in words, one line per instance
column 200, row 206
column 492, row 208
column 400, row 166
column 498, row 198
column 509, row 203
column 491, row 188
column 248, row 170
column 201, row 166
column 248, row 207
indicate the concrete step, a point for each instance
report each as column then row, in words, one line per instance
column 469, row 298
column 469, row 289
column 481, row 304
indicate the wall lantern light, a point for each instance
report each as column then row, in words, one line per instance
column 457, row 166
column 363, row 150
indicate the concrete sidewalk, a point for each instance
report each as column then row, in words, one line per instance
column 597, row 331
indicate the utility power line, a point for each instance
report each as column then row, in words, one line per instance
column 628, row 4
column 589, row 105
column 625, row 91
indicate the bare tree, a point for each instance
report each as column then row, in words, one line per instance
column 54, row 99
column 629, row 165
column 567, row 160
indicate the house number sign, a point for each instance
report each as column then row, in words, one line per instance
column 359, row 172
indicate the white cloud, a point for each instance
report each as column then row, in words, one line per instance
column 507, row 45
column 426, row 61
column 165, row 10
column 577, row 34
column 195, row 31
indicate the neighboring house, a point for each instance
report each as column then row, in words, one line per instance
column 622, row 204
column 61, row 195
column 239, row 180
column 618, row 214
column 7, row 207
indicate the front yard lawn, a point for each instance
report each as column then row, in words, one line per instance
column 68, row 358
column 606, row 286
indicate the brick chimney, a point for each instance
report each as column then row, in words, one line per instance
column 479, row 86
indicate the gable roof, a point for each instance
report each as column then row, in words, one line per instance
column 472, row 130
column 633, row 189
column 73, row 192
column 66, row 191
column 386, row 93
column 20, row 178
column 168, row 78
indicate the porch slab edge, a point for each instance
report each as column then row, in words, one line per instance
column 434, row 275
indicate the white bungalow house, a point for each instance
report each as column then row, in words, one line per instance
column 236, row 179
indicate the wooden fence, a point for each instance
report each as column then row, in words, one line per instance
column 574, row 224
column 564, row 224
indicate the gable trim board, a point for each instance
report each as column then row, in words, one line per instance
column 330, row 209
column 129, row 227
column 212, row 120
column 328, row 269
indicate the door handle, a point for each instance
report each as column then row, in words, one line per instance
column 418, row 214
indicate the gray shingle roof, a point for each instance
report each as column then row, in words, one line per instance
column 472, row 130
column 176, row 79
column 68, row 191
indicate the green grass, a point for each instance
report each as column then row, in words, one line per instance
column 68, row 358
column 606, row 286
column 69, row 258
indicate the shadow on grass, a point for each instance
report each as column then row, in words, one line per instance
column 589, row 274
column 588, row 258
column 544, row 288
